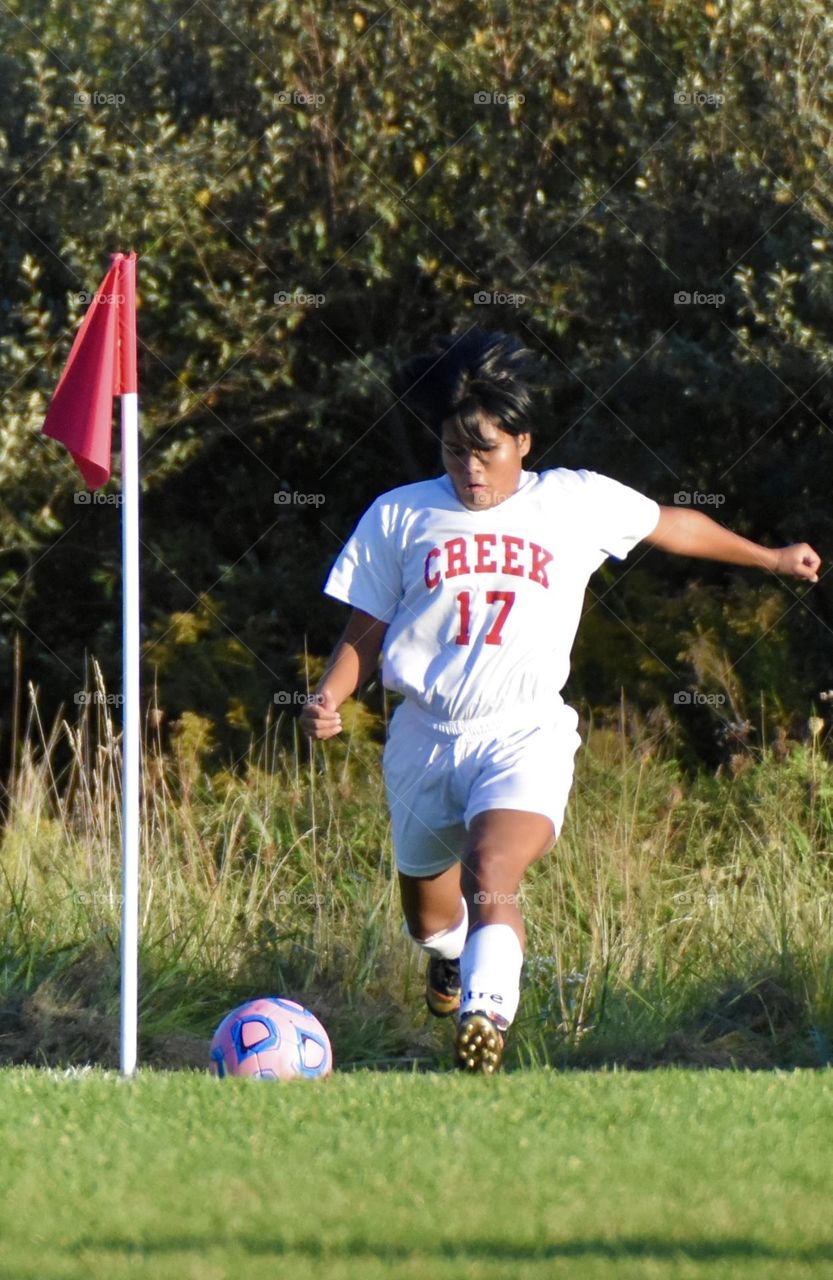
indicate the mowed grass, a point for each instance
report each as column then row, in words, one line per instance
column 176, row 1176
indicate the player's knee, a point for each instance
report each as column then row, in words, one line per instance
column 426, row 924
column 446, row 942
column 418, row 928
column 489, row 869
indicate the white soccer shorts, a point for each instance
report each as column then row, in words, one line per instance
column 440, row 775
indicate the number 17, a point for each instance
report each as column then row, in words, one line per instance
column 505, row 598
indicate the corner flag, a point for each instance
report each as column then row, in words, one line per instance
column 101, row 365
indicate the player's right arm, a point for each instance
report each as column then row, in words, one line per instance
column 352, row 662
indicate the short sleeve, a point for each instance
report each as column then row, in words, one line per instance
column 618, row 517
column 368, row 571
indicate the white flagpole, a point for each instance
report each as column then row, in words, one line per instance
column 131, row 731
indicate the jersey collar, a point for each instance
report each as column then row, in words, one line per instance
column 527, row 479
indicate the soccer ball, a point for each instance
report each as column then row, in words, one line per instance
column 271, row 1039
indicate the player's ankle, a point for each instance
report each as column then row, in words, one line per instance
column 490, row 972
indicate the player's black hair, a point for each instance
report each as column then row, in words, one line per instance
column 466, row 374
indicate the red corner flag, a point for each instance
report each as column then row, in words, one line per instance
column 101, row 365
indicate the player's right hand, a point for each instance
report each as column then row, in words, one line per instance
column 320, row 718
column 799, row 560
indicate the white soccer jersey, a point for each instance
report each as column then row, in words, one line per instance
column 483, row 606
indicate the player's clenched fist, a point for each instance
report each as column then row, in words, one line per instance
column 800, row 560
column 320, row 717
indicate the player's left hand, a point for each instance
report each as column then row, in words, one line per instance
column 799, row 561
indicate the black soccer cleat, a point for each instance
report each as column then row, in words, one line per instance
column 479, row 1044
column 442, row 986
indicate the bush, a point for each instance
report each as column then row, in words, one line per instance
column 249, row 151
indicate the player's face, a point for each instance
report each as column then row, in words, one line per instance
column 486, row 477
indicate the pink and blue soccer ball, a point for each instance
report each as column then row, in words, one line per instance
column 271, row 1039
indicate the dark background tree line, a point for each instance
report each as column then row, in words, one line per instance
column 343, row 157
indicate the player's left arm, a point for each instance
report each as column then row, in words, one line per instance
column 692, row 533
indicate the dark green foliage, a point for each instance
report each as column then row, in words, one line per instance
column 398, row 198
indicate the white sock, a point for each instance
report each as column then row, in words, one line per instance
column 448, row 943
column 490, row 972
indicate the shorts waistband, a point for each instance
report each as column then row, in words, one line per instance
column 526, row 716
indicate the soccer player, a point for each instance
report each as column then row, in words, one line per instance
column 471, row 584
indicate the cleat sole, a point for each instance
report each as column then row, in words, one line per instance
column 479, row 1045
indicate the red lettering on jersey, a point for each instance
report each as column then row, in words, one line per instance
column 505, row 599
column 511, row 547
column 483, row 564
column 540, row 559
column 456, row 562
column 432, row 579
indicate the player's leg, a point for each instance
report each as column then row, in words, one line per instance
column 436, row 919
column 502, row 845
column 514, row 813
column 428, row 836
column 431, row 904
column 436, row 915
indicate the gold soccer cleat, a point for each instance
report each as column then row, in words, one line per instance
column 479, row 1044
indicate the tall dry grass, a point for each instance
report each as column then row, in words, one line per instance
column 679, row 919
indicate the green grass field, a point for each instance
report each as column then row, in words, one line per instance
column 175, row 1176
